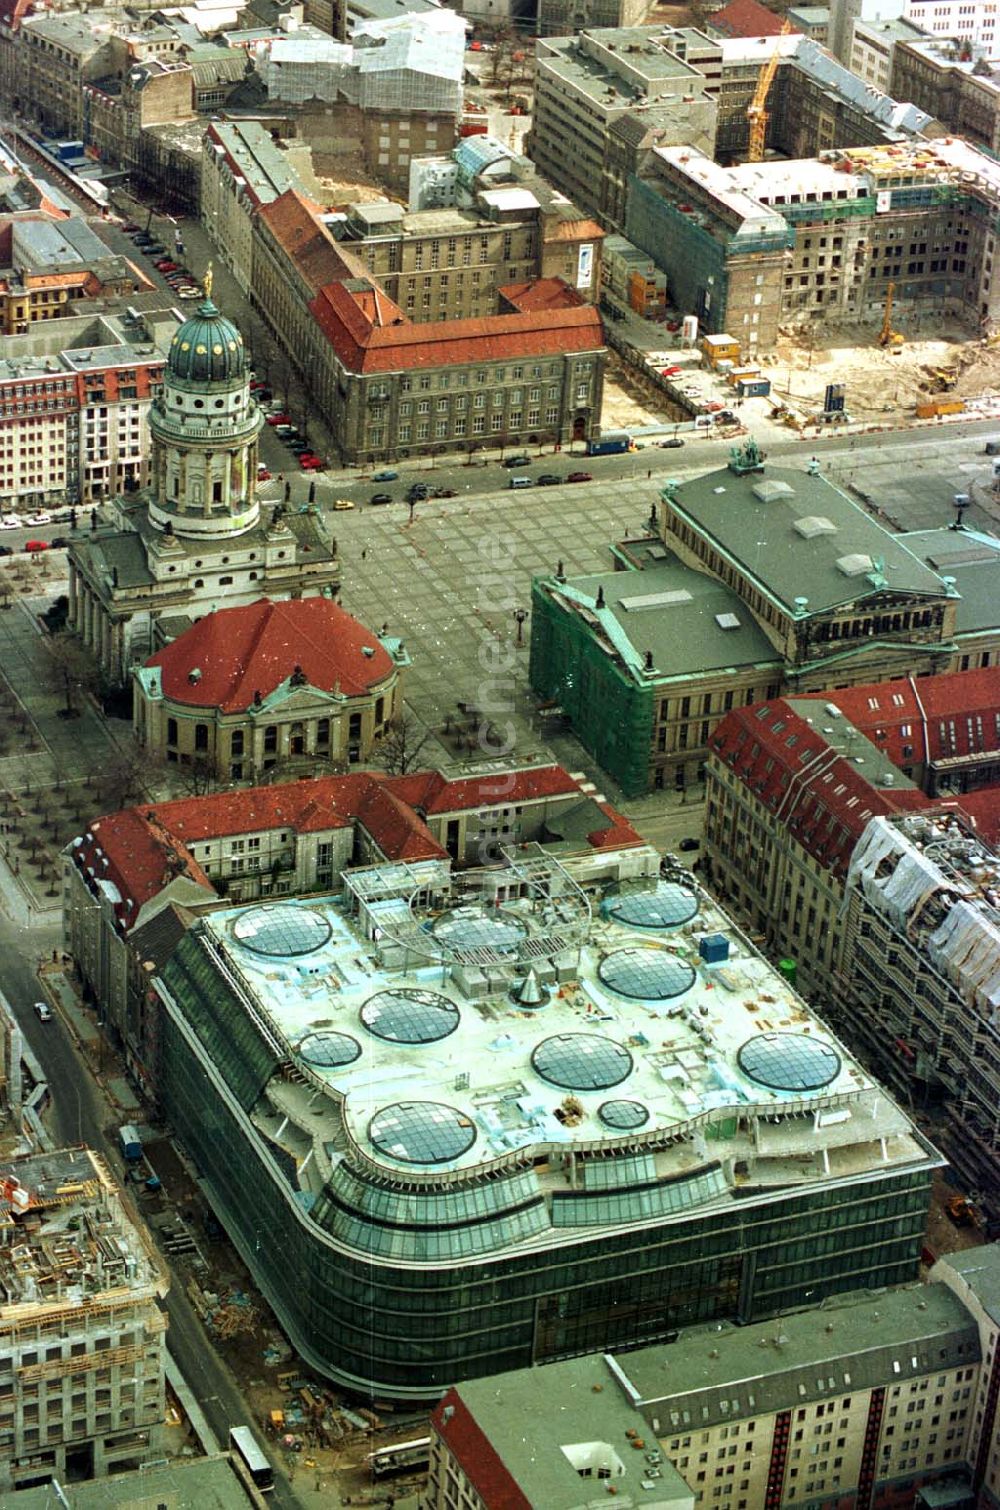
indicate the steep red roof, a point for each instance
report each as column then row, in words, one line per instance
column 295, row 224
column 238, row 652
column 540, row 293
column 983, row 807
column 472, row 1449
column 747, row 18
column 131, row 857
column 824, row 799
column 371, row 334
column 146, row 846
column 936, row 720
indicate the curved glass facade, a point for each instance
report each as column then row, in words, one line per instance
column 400, row 1292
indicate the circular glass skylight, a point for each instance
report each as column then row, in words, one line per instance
column 410, row 1016
column 789, row 1061
column 281, row 930
column 479, row 928
column 665, row 905
column 623, row 1115
column 581, row 1061
column 646, row 974
column 327, row 1050
column 422, row 1132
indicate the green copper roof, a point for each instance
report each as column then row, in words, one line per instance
column 207, row 348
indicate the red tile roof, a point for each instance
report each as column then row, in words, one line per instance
column 472, row 1449
column 747, row 18
column 540, row 293
column 242, row 651
column 983, row 807
column 138, row 857
column 145, row 845
column 824, row 799
column 295, row 225
column 937, row 720
column 573, row 230
column 369, row 333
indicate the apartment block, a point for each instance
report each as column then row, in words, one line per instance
column 880, row 895
column 56, row 56
column 243, row 168
column 953, row 84
column 873, row 54
column 586, row 84
column 49, row 263
column 883, row 1400
column 82, row 1349
column 75, row 397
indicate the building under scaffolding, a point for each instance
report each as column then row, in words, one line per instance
column 462, row 1121
column 921, row 976
column 81, row 1334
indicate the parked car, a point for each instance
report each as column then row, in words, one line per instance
column 278, row 419
column 580, row 477
column 311, row 463
column 36, row 545
column 725, row 417
column 59, row 542
column 416, row 492
column 713, row 406
column 189, row 293
column 6, row 550
column 521, row 482
column 141, row 237
column 130, row 228
column 672, row 443
column 443, row 493
column 521, row 460
column 42, row 517
column 548, row 480
column 11, row 522
column 340, row 504
column 671, row 371
column 380, row 498
column 153, row 249
column 165, row 265
column 297, row 445
column 43, row 1011
column 687, row 845
column 386, row 475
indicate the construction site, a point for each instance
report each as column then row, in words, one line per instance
column 82, row 1346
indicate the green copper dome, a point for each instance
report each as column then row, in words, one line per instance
column 207, row 348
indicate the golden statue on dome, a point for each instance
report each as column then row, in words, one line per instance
column 207, row 283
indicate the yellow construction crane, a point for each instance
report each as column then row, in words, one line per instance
column 757, row 109
column 887, row 336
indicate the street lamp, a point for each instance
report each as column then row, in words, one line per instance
column 520, row 614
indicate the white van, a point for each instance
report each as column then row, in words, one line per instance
column 521, row 482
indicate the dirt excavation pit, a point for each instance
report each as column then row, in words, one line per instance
column 882, row 381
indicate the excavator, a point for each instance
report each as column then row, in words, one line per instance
column 892, row 339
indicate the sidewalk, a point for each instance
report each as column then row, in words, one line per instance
column 100, row 1057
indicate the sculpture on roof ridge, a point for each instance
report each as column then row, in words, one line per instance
column 746, row 458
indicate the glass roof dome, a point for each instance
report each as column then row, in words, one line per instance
column 208, row 348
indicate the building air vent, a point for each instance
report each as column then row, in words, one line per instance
column 655, row 600
column 727, row 621
column 855, row 565
column 769, row 490
column 813, row 525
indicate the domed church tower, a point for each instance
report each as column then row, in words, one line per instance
column 204, row 428
column 194, row 540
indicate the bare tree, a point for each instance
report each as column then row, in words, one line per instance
column 74, row 672
column 123, row 779
column 401, row 745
